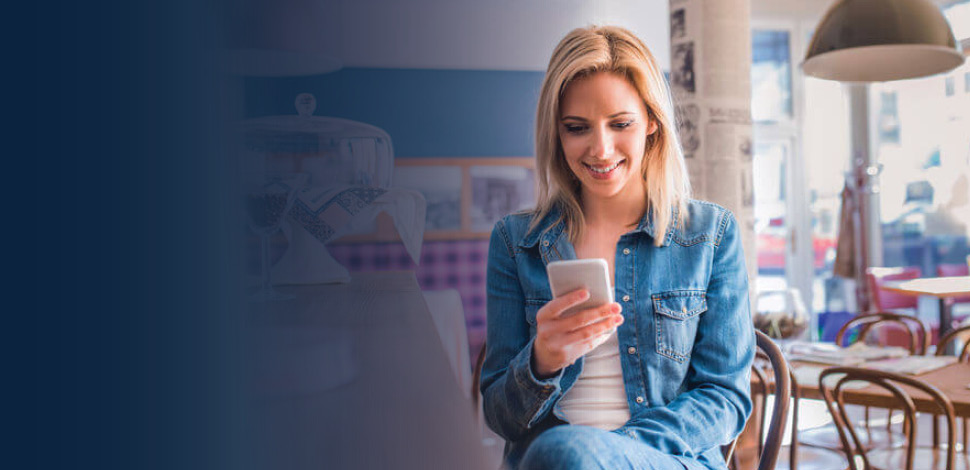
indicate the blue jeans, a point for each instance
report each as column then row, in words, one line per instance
column 570, row 447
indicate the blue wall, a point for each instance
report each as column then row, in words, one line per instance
column 428, row 113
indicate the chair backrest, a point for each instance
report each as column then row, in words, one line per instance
column 882, row 299
column 919, row 339
column 952, row 269
column 899, row 386
column 781, row 379
column 477, row 379
column 963, row 334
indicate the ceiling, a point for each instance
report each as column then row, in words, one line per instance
column 789, row 9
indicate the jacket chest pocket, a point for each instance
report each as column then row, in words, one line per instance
column 676, row 315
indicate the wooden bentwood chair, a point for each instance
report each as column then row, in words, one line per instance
column 477, row 380
column 770, row 449
column 810, row 457
column 962, row 333
column 900, row 388
column 918, row 340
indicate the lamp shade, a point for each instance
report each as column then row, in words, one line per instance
column 881, row 40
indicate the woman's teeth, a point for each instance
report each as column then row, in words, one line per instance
column 606, row 169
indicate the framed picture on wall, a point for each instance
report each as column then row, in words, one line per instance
column 498, row 190
column 466, row 196
column 441, row 187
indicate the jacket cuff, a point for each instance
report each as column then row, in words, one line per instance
column 543, row 392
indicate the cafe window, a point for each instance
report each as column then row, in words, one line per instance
column 888, row 125
column 771, row 90
column 774, row 141
column 923, row 144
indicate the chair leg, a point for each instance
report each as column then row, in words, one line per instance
column 793, row 449
column 965, row 449
column 762, row 425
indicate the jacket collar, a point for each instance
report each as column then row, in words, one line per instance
column 646, row 225
column 552, row 226
column 548, row 229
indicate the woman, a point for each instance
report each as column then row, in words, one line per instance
column 670, row 386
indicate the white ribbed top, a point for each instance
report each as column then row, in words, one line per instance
column 598, row 397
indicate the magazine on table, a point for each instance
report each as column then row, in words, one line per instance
column 830, row 354
column 912, row 365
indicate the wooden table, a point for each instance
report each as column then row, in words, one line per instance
column 943, row 288
column 952, row 380
column 354, row 376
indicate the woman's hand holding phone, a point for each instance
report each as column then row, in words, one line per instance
column 561, row 340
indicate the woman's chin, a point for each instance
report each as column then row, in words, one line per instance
column 602, row 191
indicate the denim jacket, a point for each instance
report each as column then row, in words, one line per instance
column 686, row 344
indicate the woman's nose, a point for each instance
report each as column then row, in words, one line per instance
column 601, row 144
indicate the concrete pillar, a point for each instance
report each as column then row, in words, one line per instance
column 710, row 77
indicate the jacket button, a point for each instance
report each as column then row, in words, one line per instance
column 684, row 309
column 626, row 251
column 626, row 298
column 631, row 350
column 640, row 400
column 545, row 243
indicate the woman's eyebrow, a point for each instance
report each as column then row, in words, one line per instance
column 611, row 116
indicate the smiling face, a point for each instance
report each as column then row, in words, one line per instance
column 603, row 131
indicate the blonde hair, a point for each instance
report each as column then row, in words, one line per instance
column 611, row 49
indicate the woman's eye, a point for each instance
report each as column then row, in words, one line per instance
column 574, row 129
column 623, row 125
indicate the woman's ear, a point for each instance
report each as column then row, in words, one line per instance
column 652, row 127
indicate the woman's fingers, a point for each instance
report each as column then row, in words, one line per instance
column 555, row 307
column 590, row 316
column 560, row 341
column 589, row 333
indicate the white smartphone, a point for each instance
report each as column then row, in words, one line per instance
column 592, row 274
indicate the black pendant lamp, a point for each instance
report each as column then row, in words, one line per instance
column 881, row 40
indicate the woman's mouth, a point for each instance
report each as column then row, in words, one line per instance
column 603, row 171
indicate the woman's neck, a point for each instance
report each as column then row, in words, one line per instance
column 625, row 208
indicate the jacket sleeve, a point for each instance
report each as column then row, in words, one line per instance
column 514, row 399
column 716, row 402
